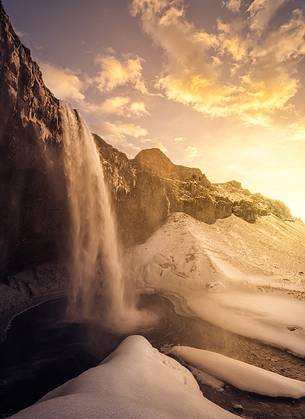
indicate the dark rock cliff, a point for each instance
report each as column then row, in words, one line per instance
column 32, row 194
column 32, row 188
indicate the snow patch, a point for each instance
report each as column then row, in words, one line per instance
column 240, row 374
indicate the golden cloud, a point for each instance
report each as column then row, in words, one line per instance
column 63, row 82
column 191, row 152
column 261, row 12
column 284, row 44
column 124, row 106
column 138, row 109
column 232, row 5
column 154, row 143
column 296, row 131
column 121, row 130
column 116, row 73
column 236, row 71
column 126, row 136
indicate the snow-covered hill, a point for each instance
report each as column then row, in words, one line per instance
column 269, row 252
column 246, row 278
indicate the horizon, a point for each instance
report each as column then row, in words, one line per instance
column 193, row 79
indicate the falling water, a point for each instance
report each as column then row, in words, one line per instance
column 95, row 254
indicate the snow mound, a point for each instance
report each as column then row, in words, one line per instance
column 135, row 381
column 240, row 374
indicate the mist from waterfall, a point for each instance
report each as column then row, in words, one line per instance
column 95, row 260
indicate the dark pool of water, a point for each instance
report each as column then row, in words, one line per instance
column 43, row 350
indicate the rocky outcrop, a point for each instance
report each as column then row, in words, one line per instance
column 250, row 206
column 157, row 163
column 139, row 196
column 34, row 217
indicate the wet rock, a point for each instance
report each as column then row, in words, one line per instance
column 238, row 408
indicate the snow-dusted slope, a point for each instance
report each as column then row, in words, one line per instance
column 269, row 252
column 135, row 381
column 219, row 271
column 240, row 374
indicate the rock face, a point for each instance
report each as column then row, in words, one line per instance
column 31, row 188
column 32, row 183
column 139, row 195
column 149, row 187
column 157, row 163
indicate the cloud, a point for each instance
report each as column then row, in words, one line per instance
column 284, row 44
column 179, row 139
column 189, row 76
column 231, row 42
column 115, row 105
column 121, row 130
column 154, row 143
column 117, row 73
column 124, row 106
column 21, row 34
column 261, row 12
column 296, row 131
column 191, row 152
column 125, row 136
column 232, row 5
column 161, row 147
column 138, row 109
column 245, row 69
column 63, row 82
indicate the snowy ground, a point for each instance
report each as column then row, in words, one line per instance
column 135, row 381
column 246, row 278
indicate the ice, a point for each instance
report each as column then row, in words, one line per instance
column 240, row 374
column 135, row 381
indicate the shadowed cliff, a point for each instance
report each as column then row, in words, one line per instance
column 31, row 188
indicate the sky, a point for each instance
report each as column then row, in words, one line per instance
column 215, row 84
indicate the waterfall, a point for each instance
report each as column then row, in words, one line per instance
column 94, row 250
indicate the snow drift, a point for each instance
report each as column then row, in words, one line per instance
column 240, row 374
column 135, row 381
